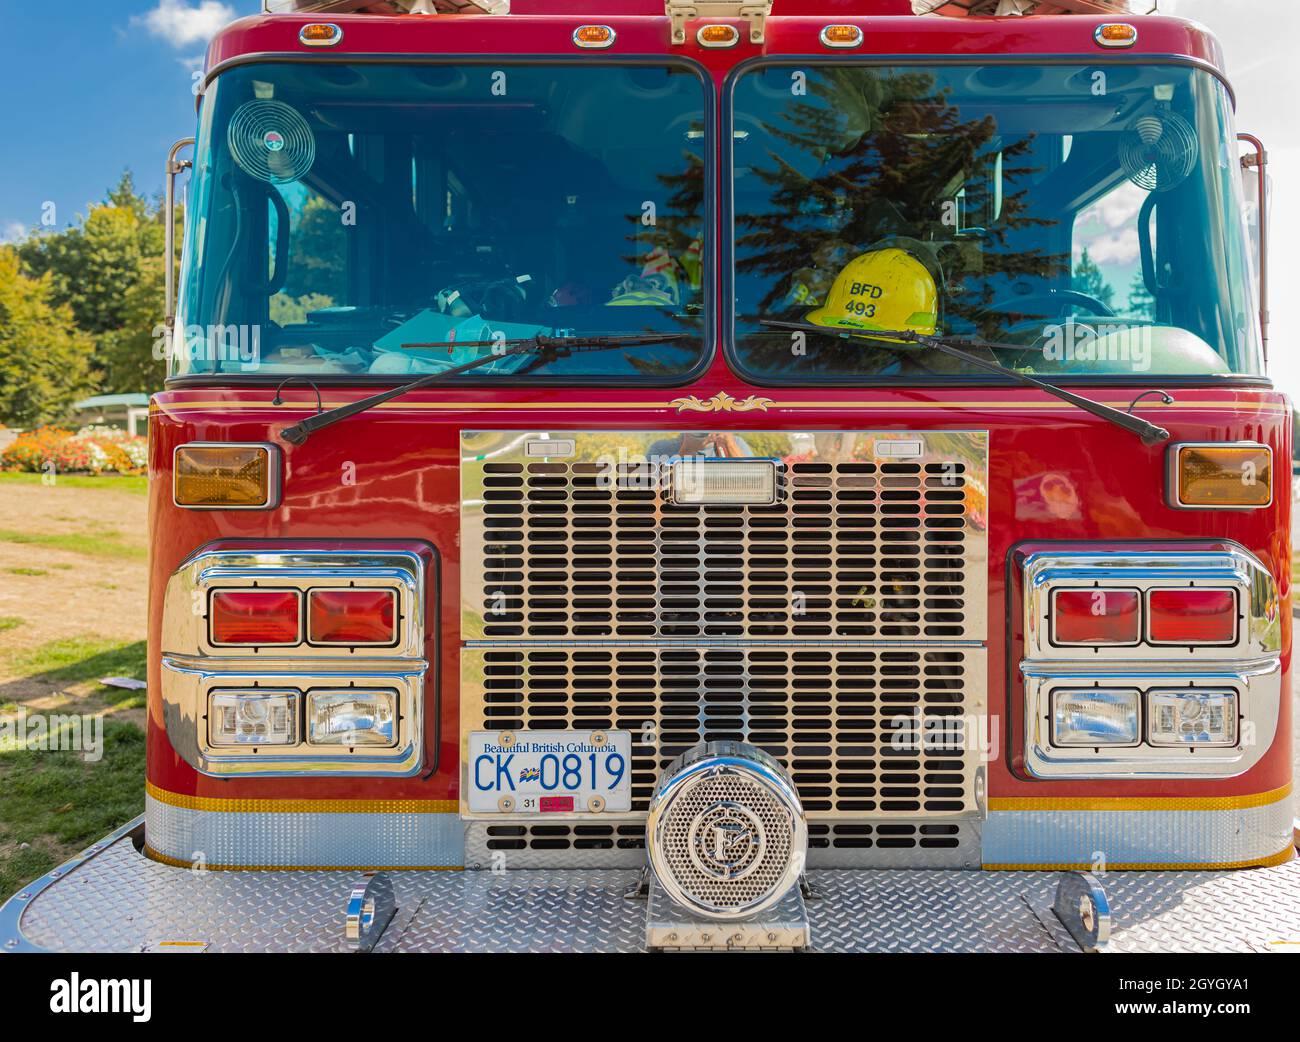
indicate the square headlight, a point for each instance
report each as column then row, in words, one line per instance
column 704, row 481
column 253, row 716
column 1192, row 716
column 352, row 717
column 1095, row 716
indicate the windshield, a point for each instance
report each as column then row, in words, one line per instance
column 1088, row 215
column 343, row 218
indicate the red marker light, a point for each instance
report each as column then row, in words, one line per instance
column 254, row 617
column 1096, row 617
column 1192, row 616
column 352, row 616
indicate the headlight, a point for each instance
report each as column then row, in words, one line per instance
column 352, row 717
column 1095, row 716
column 253, row 717
column 698, row 482
column 1192, row 717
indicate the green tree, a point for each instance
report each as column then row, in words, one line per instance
column 875, row 157
column 107, row 269
column 1141, row 304
column 125, row 357
column 44, row 364
column 1088, row 279
column 320, row 245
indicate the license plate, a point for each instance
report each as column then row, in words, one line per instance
column 549, row 772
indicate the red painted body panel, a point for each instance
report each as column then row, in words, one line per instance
column 406, row 454
column 787, row 33
column 406, row 457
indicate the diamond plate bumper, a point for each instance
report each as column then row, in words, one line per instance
column 112, row 898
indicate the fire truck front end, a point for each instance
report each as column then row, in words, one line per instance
column 711, row 477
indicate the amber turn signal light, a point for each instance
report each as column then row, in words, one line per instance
column 1237, row 476
column 213, row 476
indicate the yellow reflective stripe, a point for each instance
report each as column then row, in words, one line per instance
column 163, row 859
column 1258, row 799
column 1280, row 858
column 259, row 806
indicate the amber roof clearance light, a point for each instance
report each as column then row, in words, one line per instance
column 841, row 36
column 717, row 36
column 1115, row 34
column 320, row 34
column 593, row 36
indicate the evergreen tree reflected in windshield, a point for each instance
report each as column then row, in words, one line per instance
column 1013, row 190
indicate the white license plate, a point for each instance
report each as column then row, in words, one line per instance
column 549, row 772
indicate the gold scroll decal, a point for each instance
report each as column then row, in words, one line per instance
column 721, row 402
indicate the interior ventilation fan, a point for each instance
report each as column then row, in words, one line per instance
column 1158, row 151
column 271, row 141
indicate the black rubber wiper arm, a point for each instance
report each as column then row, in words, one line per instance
column 551, row 347
column 1148, row 432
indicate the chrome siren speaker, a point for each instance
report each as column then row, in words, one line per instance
column 726, row 832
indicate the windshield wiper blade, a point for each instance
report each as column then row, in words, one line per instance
column 551, row 347
column 1150, row 433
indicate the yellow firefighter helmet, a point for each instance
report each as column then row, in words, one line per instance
column 881, row 289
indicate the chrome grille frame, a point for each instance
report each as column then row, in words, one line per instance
column 803, row 628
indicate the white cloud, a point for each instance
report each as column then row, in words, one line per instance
column 1116, row 208
column 12, row 231
column 1117, row 248
column 182, row 24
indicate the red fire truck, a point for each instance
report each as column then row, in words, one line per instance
column 714, row 474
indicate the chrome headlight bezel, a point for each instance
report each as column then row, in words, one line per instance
column 193, row 667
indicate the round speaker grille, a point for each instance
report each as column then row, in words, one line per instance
column 271, row 141
column 726, row 832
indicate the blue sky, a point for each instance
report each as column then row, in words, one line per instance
column 118, row 97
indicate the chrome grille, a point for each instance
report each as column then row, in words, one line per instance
column 816, row 628
column 857, row 547
column 865, row 732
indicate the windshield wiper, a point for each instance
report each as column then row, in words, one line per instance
column 1148, row 432
column 548, row 347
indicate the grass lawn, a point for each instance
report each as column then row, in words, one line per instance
column 53, row 804
column 78, row 665
column 72, row 590
column 92, row 543
column 136, row 483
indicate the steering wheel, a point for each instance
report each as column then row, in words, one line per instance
column 1061, row 299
